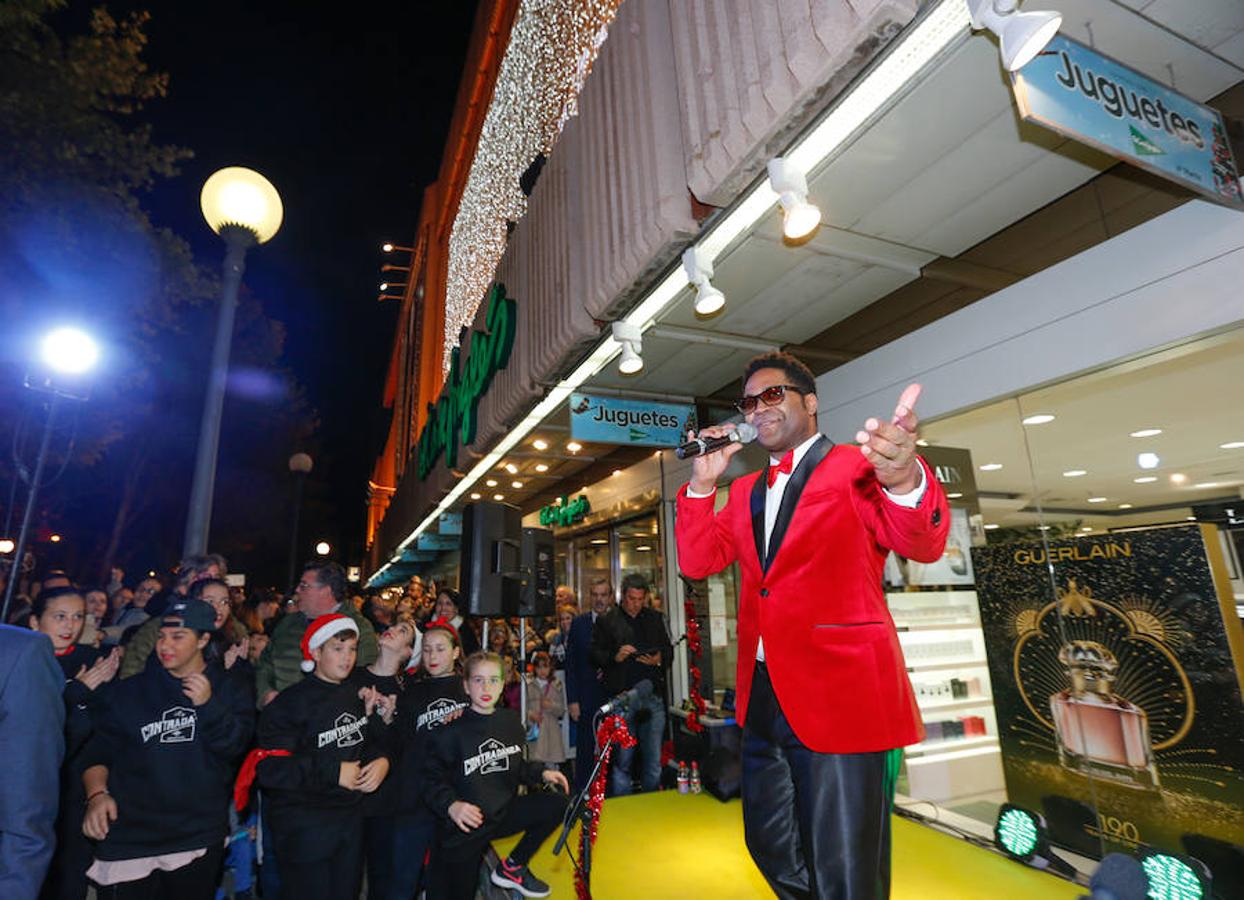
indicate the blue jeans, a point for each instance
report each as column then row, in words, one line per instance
column 646, row 720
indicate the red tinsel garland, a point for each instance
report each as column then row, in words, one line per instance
column 694, row 646
column 612, row 730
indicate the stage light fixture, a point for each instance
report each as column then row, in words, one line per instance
column 799, row 217
column 699, row 268
column 7, row 545
column 1021, row 35
column 1173, row 877
column 629, row 335
column 1021, row 834
column 69, row 351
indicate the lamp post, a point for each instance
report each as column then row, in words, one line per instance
column 243, row 208
column 66, row 354
column 300, row 466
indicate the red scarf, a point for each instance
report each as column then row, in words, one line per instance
column 246, row 775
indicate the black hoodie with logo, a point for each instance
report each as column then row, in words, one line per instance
column 478, row 758
column 425, row 708
column 322, row 725
column 170, row 763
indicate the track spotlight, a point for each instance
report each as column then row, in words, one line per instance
column 631, row 338
column 799, row 217
column 699, row 269
column 1021, row 36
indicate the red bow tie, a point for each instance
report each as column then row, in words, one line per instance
column 787, row 463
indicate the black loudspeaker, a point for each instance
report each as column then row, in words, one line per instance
column 490, row 573
column 539, row 591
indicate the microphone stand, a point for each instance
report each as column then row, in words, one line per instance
column 579, row 810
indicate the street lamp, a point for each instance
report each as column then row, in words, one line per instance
column 299, row 466
column 65, row 356
column 243, row 208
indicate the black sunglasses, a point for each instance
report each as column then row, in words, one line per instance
column 770, row 396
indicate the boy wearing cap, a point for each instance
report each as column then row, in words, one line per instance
column 160, row 766
column 323, row 747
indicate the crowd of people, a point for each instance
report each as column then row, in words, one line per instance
column 218, row 743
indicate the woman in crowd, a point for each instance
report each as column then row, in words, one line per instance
column 447, row 608
column 560, row 638
column 60, row 614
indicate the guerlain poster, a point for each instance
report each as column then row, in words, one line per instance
column 1116, row 687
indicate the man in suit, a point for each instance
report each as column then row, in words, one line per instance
column 822, row 690
column 32, row 739
column 584, row 692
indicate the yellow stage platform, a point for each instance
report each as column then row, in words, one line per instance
column 690, row 847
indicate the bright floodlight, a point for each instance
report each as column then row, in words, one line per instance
column 70, row 351
column 323, row 548
column 244, row 198
column 1021, row 35
column 708, row 299
column 6, row 545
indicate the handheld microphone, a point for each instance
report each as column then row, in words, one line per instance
column 626, row 698
column 745, row 433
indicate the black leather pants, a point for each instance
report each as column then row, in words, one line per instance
column 816, row 824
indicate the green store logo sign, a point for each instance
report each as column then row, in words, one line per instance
column 453, row 420
column 565, row 512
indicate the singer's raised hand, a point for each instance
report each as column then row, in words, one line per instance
column 707, row 467
column 891, row 446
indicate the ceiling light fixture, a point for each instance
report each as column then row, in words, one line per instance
column 511, row 468
column 799, row 217
column 1145, row 479
column 1148, row 460
column 1038, row 419
column 574, row 446
column 1231, row 445
column 954, row 496
column 517, row 485
column 991, row 467
column 1146, row 432
column 1178, row 478
column 1021, row 35
column 991, row 527
column 630, row 337
column 491, row 482
column 1205, row 485
column 475, row 496
column 1098, row 499
column 542, row 467
column 1125, row 506
column 1075, row 473
column 498, row 497
column 699, row 268
column 540, row 444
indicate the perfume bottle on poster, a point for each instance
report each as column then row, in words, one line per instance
column 1100, row 733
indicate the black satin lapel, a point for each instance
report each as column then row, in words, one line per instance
column 758, row 516
column 790, row 496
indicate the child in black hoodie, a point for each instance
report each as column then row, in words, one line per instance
column 323, row 744
column 475, row 768
column 430, row 702
column 160, row 765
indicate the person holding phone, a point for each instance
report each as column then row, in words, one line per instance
column 630, row 645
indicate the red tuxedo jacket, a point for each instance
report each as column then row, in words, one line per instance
column 830, row 645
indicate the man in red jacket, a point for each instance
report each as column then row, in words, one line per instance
column 822, row 690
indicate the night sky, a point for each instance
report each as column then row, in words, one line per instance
column 345, row 108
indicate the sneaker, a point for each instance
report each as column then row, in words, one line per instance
column 518, row 878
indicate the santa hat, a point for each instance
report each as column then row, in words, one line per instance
column 318, row 633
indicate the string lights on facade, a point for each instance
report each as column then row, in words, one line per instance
column 551, row 50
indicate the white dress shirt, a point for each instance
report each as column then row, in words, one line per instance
column 773, row 502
